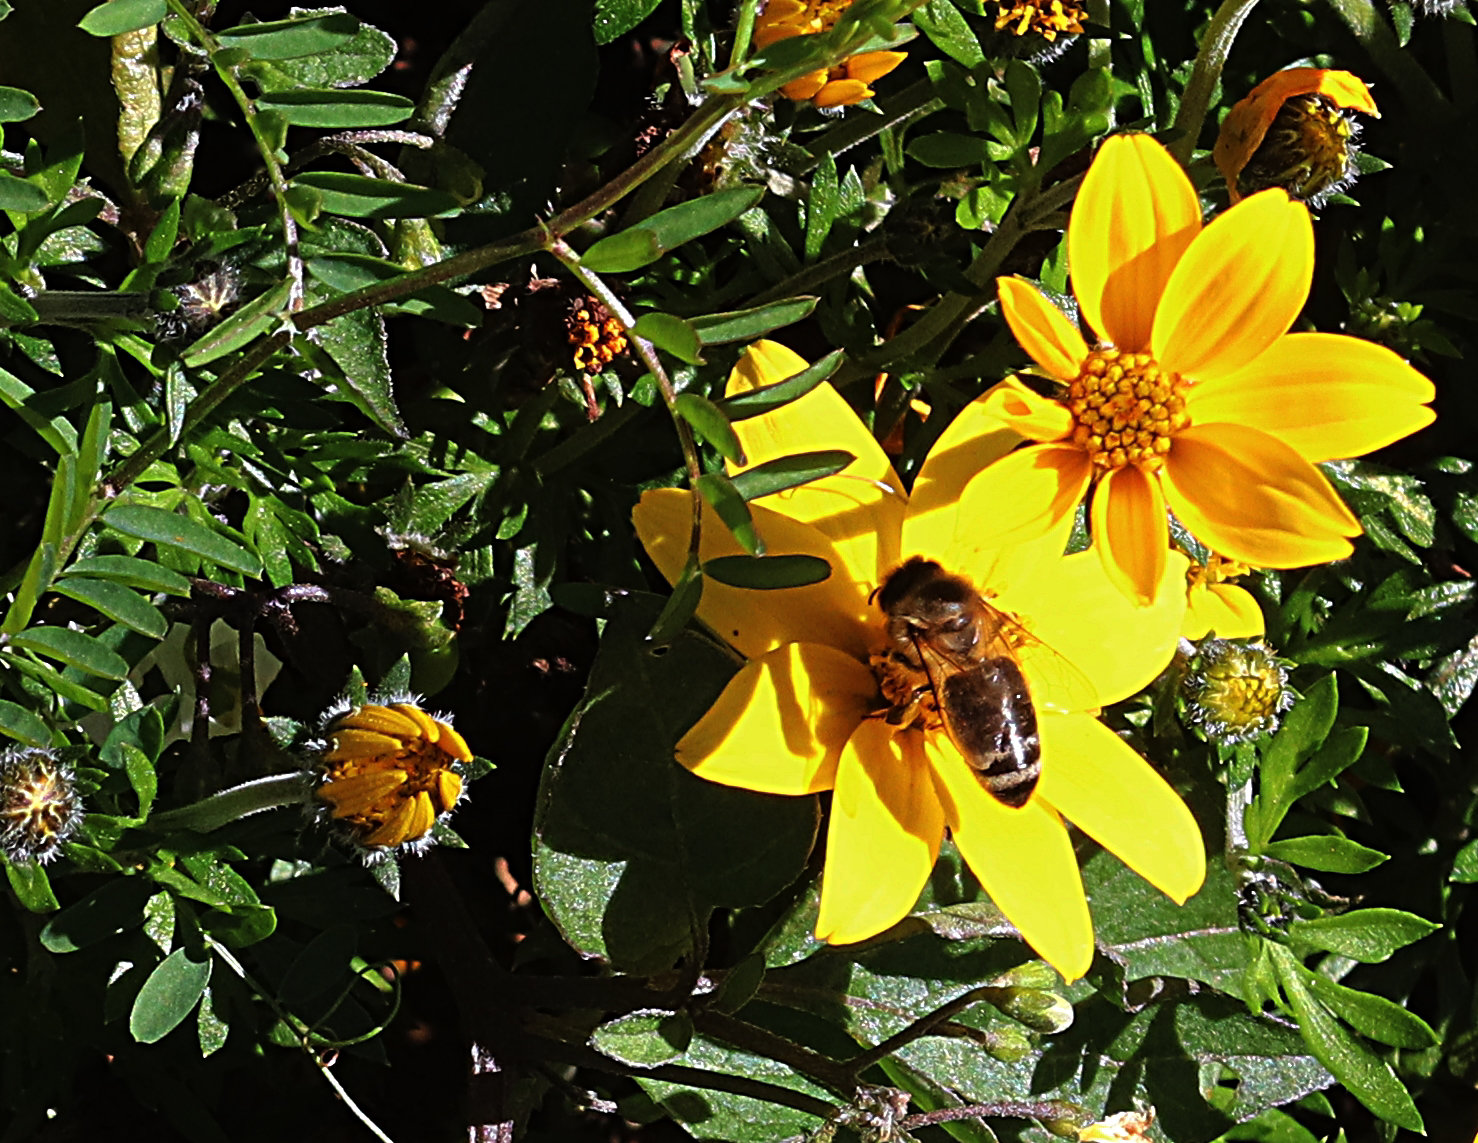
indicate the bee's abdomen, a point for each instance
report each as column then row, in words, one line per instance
column 989, row 715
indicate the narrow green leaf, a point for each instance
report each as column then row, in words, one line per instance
column 55, row 431
column 746, row 325
column 949, row 149
column 790, row 471
column 673, row 334
column 710, row 423
column 1327, row 854
column 359, row 196
column 92, row 451
column 941, row 21
column 721, row 494
column 742, row 406
column 1302, row 733
column 16, row 105
column 54, row 680
column 668, row 229
column 357, row 343
column 257, row 317
column 75, row 649
column 169, row 995
column 679, row 608
column 143, row 574
column 162, row 238
column 644, row 1039
column 822, row 206
column 181, row 532
column 31, row 885
column 21, row 195
column 767, row 573
column 1366, row 935
column 14, row 309
column 118, row 603
column 1376, row 1017
column 291, row 39
column 114, row 17
column 333, row 108
column 19, row 723
column 141, row 776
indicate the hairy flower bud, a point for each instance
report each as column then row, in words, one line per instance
column 39, row 807
column 1236, row 691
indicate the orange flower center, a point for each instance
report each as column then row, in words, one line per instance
column 1047, row 18
column 1127, row 409
column 1217, row 569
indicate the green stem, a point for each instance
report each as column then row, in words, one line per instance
column 1206, row 74
column 228, row 806
column 1376, row 36
column 913, row 102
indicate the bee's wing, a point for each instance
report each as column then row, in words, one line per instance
column 1055, row 682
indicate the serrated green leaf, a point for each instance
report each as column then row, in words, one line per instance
column 747, row 325
column 1327, row 854
column 790, row 472
column 667, row 230
column 359, row 196
column 289, row 39
column 178, row 531
column 357, row 343
column 1366, row 935
column 646, row 1038
column 115, row 17
column 719, row 491
column 338, row 108
column 169, row 995
column 767, row 573
column 75, row 649
column 117, row 602
column 756, row 402
column 142, row 574
column 673, row 334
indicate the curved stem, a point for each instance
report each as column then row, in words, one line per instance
column 1205, row 75
column 229, row 805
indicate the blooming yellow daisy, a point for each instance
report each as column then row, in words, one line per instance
column 1195, row 397
column 849, row 81
column 804, row 714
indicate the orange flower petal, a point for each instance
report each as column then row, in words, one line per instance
column 840, row 93
column 1023, row 859
column 871, row 66
column 1042, row 329
column 886, row 827
column 834, row 612
column 1134, row 216
column 806, row 87
column 1024, row 495
column 1103, row 787
column 1224, row 610
column 1326, row 395
column 780, row 724
column 1252, row 498
column 1130, row 531
column 1237, row 289
column 861, row 508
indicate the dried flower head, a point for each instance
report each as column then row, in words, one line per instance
column 1237, row 691
column 39, row 807
column 1294, row 130
column 596, row 337
column 390, row 773
column 1046, row 18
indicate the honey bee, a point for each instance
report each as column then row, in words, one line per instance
column 950, row 661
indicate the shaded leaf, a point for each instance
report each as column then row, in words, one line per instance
column 168, row 996
column 178, row 531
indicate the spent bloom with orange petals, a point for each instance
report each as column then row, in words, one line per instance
column 847, row 82
column 1195, row 396
column 390, row 772
column 806, row 711
column 1046, row 18
column 1294, row 131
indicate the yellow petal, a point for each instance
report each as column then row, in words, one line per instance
column 1222, row 609
column 1237, row 289
column 806, row 87
column 780, row 724
column 861, row 508
column 1042, row 329
column 359, row 793
column 1114, row 796
column 1326, row 395
column 1135, row 214
column 422, row 724
column 842, row 93
column 1079, row 615
column 1025, row 495
column 453, row 743
column 871, row 66
column 886, row 826
column 834, row 611
column 348, row 742
column 1252, row 498
column 1027, row 412
column 1130, row 531
column 391, row 721
column 1023, row 859
column 448, row 790
column 410, row 820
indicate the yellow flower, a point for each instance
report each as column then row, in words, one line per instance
column 1122, row 1127
column 802, row 715
column 1196, row 397
column 389, row 772
column 1293, row 130
column 1047, row 18
column 1215, row 605
column 849, row 81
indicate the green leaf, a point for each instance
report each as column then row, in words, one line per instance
column 725, row 500
column 711, row 425
column 169, row 995
column 19, row 723
column 947, row 149
column 747, row 325
column 742, row 406
column 1465, row 864
column 14, row 308
column 336, row 108
column 1369, row 1078
column 646, row 1038
column 941, row 21
column 21, row 195
column 177, row 531
column 289, row 39
column 822, row 206
column 790, row 472
column 31, row 886
column 1376, row 1017
column 117, row 602
column 211, row 1028
column 141, row 776
column 111, row 908
column 16, row 105
column 357, row 343
column 1298, row 739
column 614, row 18
column 55, row 431
column 1366, row 935
column 255, row 318
column 142, row 574
column 359, row 196
column 680, row 607
column 322, row 966
column 75, row 649
column 674, row 334
column 667, row 230
column 1327, row 854
column 355, row 61
column 767, row 573
column 114, row 17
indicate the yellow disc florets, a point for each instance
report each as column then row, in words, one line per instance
column 1237, row 692
column 596, row 336
column 1047, row 18
column 1127, row 409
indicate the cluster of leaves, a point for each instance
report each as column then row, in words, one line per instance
column 285, row 405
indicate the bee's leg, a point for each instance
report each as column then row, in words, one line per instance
column 908, row 713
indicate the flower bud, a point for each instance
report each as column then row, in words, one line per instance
column 1237, row 691
column 39, row 806
column 1039, row 1010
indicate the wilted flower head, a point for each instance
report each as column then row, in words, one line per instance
column 846, row 83
column 1237, row 691
column 39, row 808
column 1046, row 18
column 1294, row 130
column 390, row 772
